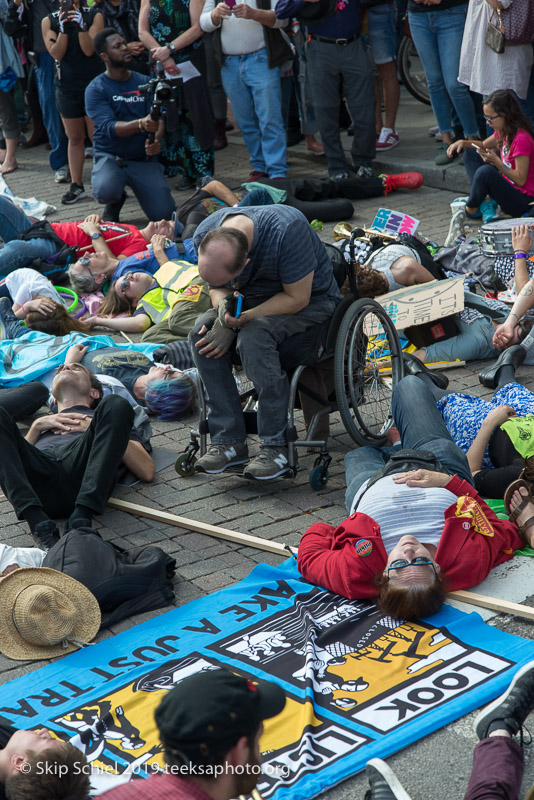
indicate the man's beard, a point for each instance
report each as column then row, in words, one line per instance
column 119, row 63
column 246, row 782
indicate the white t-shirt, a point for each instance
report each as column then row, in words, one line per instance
column 23, row 556
column 400, row 510
column 27, row 284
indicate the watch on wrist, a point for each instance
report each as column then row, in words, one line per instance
column 96, row 235
column 170, row 46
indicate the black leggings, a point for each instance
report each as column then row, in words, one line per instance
column 487, row 180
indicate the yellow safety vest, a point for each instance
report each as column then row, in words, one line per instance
column 175, row 281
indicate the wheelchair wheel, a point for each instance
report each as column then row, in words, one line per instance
column 185, row 465
column 412, row 73
column 367, row 346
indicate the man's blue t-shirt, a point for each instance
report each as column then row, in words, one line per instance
column 285, row 249
column 147, row 261
column 107, row 102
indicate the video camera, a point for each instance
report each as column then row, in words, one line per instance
column 164, row 99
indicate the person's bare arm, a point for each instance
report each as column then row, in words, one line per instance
column 85, row 38
column 222, row 192
column 158, row 246
column 136, row 324
column 55, row 43
column 409, row 272
column 144, row 26
column 267, row 18
column 99, row 245
column 525, row 300
column 58, row 423
column 75, row 353
column 217, row 295
column 522, row 243
column 496, row 417
column 293, row 299
column 138, row 461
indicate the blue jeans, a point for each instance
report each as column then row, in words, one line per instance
column 257, row 350
column 146, row 179
column 487, row 180
column 16, row 253
column 473, row 343
column 437, row 36
column 256, row 97
column 424, row 430
column 45, row 80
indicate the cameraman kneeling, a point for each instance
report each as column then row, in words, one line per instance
column 123, row 154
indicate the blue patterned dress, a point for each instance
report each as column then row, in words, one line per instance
column 188, row 148
column 464, row 414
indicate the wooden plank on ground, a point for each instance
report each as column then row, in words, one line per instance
column 462, row 596
column 201, row 527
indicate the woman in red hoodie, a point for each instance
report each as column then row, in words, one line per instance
column 417, row 527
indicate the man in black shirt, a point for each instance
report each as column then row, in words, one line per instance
column 67, row 463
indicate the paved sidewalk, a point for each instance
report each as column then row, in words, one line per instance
column 281, row 510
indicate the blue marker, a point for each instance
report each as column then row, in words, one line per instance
column 238, row 306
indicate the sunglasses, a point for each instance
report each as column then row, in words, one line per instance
column 418, row 561
column 85, row 261
column 125, row 283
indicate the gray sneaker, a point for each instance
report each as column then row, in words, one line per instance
column 271, row 462
column 383, row 782
column 220, row 456
column 510, row 710
column 62, row 175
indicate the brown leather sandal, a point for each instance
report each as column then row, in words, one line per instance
column 513, row 515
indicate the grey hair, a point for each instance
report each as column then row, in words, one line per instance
column 82, row 281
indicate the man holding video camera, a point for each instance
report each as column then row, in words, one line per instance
column 124, row 152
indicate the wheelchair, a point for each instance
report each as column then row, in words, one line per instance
column 364, row 351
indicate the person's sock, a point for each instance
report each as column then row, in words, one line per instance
column 436, row 391
column 34, row 515
column 505, row 374
column 501, row 725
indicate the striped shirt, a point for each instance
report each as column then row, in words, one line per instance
column 400, row 510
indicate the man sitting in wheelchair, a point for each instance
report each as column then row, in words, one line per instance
column 271, row 257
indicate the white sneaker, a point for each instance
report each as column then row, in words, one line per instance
column 61, row 175
column 456, row 228
column 458, row 204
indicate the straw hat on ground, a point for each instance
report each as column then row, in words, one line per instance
column 45, row 614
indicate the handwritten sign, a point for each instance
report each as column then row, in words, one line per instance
column 415, row 305
column 388, row 221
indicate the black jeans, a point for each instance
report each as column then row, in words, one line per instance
column 485, row 179
column 82, row 472
column 23, row 401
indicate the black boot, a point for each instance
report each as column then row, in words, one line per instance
column 220, row 134
column 514, row 356
column 112, row 211
column 414, row 366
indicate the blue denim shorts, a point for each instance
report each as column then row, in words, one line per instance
column 382, row 34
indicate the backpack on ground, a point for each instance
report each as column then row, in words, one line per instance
column 124, row 582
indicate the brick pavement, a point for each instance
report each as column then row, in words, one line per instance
column 280, row 510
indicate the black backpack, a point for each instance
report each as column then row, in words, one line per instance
column 124, row 582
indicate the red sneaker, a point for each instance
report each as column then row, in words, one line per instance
column 387, row 138
column 255, row 175
column 404, row 180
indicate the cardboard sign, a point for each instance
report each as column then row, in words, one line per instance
column 388, row 221
column 415, row 305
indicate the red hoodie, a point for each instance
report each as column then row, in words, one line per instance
column 348, row 558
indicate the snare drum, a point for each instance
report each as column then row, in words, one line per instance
column 496, row 237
